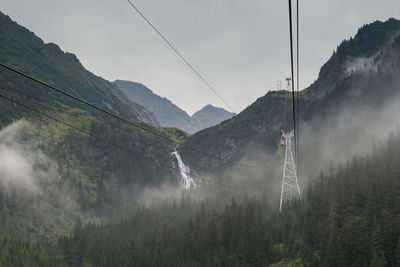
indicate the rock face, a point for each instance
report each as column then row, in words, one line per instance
column 169, row 114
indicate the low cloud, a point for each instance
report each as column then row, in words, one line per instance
column 20, row 166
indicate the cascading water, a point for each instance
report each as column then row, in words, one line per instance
column 186, row 181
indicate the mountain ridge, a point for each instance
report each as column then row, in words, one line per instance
column 46, row 61
column 168, row 113
column 79, row 175
column 104, row 183
column 336, row 93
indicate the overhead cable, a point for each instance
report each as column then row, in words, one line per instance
column 292, row 73
column 133, row 123
column 124, row 148
column 201, row 77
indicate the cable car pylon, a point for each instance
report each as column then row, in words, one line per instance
column 290, row 186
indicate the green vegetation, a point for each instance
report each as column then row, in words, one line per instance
column 94, row 179
column 348, row 217
column 21, row 49
column 21, row 253
column 257, row 128
column 93, row 175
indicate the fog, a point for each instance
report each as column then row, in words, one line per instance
column 366, row 113
column 32, row 185
column 363, row 116
column 20, row 167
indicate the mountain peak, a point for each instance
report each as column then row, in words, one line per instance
column 367, row 42
column 209, row 116
column 169, row 114
column 211, row 108
column 139, row 87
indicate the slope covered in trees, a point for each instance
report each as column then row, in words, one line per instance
column 73, row 174
column 349, row 216
column 22, row 253
column 359, row 80
column 21, row 49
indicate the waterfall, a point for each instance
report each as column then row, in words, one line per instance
column 186, row 181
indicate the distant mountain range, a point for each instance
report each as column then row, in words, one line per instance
column 170, row 115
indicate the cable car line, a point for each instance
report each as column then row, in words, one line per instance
column 298, row 88
column 201, row 77
column 133, row 123
column 124, row 148
column 292, row 72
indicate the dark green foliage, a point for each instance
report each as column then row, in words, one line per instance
column 21, row 253
column 349, row 217
column 251, row 130
column 92, row 174
column 257, row 128
column 21, row 49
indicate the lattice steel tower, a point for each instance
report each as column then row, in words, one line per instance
column 290, row 185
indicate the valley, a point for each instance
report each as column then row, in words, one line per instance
column 119, row 176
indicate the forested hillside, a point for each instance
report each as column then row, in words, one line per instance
column 67, row 173
column 22, row 253
column 79, row 187
column 357, row 86
column 20, row 48
column 349, row 216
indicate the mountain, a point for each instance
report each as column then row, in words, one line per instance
column 51, row 174
column 169, row 114
column 49, row 63
column 348, row 217
column 210, row 116
column 165, row 111
column 105, row 203
column 347, row 107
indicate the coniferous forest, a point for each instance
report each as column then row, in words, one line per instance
column 96, row 180
column 349, row 216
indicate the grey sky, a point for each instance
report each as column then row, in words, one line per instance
column 240, row 46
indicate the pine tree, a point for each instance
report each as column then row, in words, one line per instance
column 398, row 253
column 376, row 244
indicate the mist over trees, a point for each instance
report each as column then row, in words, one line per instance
column 69, row 200
column 350, row 216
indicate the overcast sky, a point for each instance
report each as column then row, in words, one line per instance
column 240, row 46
